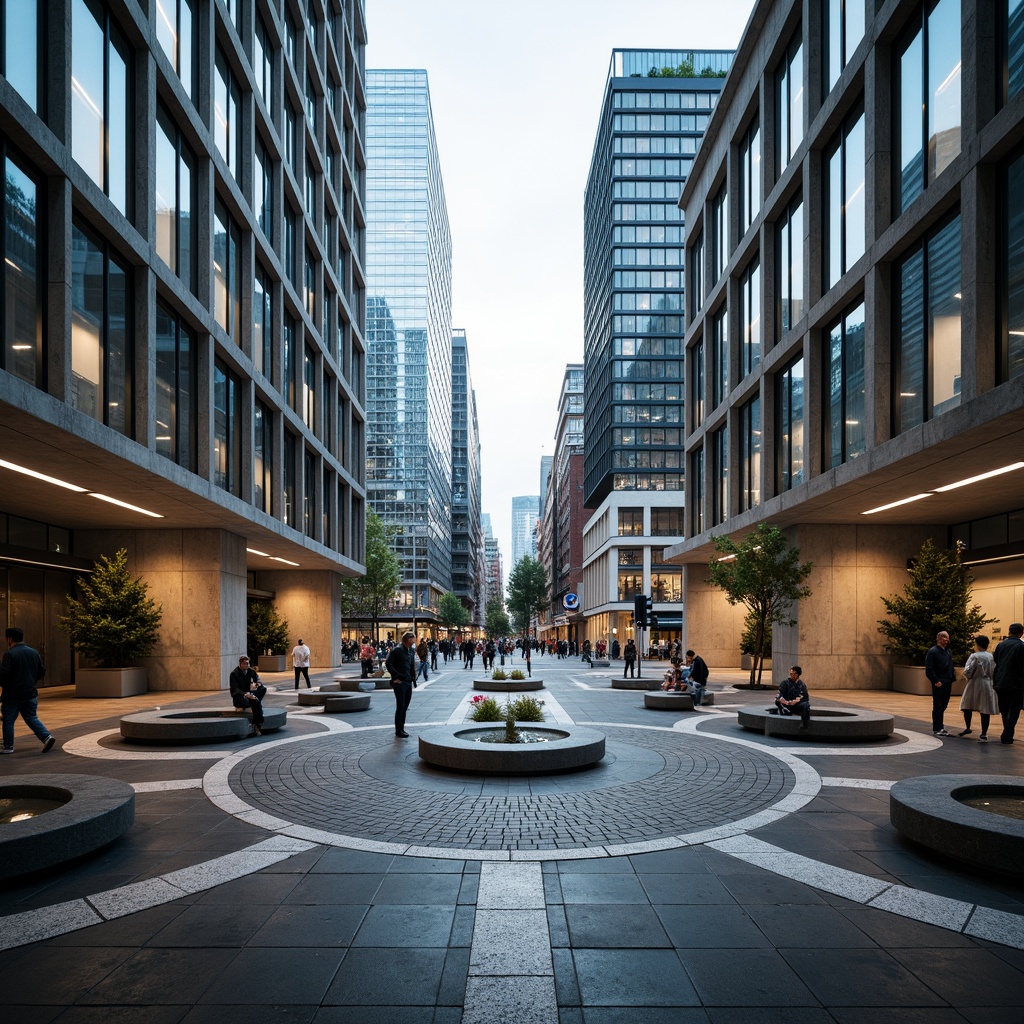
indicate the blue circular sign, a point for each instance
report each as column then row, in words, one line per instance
column 571, row 602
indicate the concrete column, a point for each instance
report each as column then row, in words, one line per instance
column 711, row 625
column 198, row 578
column 311, row 604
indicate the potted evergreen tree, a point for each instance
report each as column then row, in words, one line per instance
column 936, row 597
column 267, row 637
column 114, row 624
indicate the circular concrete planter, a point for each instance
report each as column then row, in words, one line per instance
column 927, row 810
column 911, row 679
column 664, row 701
column 636, row 684
column 204, row 726
column 338, row 704
column 450, row 746
column 833, row 724
column 93, row 812
column 508, row 685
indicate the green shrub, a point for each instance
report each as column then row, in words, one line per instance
column 526, row 709
column 517, row 673
column 499, row 673
column 487, row 711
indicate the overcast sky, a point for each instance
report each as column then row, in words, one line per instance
column 516, row 90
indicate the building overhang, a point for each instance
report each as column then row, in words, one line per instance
column 65, row 445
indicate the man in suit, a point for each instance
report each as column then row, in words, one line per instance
column 401, row 666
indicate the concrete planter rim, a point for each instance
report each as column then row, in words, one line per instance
column 508, row 685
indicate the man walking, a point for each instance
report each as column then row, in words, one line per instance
column 1009, row 681
column 938, row 667
column 20, row 670
column 401, row 667
column 423, row 654
column 300, row 662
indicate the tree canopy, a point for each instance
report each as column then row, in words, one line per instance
column 497, row 623
column 365, row 597
column 451, row 613
column 527, row 591
column 936, row 597
column 763, row 573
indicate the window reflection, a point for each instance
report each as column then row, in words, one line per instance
column 22, row 349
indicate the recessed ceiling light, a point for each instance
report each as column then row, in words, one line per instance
column 253, row 551
column 42, row 476
column 274, row 558
column 124, row 504
column 896, row 504
column 981, row 476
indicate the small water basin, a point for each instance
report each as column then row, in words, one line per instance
column 21, row 808
column 1007, row 806
column 497, row 735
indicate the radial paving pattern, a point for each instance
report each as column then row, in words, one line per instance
column 652, row 784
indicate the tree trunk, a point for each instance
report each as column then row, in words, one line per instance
column 759, row 655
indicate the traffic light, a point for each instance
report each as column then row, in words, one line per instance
column 649, row 617
column 640, row 611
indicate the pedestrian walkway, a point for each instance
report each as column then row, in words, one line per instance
column 700, row 873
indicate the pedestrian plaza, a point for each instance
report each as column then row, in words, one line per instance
column 700, row 873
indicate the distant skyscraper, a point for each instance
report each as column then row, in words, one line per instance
column 492, row 557
column 525, row 512
column 408, row 330
column 546, row 463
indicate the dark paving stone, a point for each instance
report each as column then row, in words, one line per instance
column 552, row 888
column 121, row 1015
column 434, row 865
column 641, row 978
column 447, row 1015
column 213, row 924
column 891, row 931
column 350, row 862
column 31, row 1014
column 812, row 927
column 859, row 977
column 615, row 927
column 132, row 931
column 53, row 976
column 567, row 989
column 297, row 926
column 710, row 928
column 282, row 976
column 406, row 927
column 453, row 979
column 769, row 888
column 686, row 888
column 377, row 1015
column 161, row 976
column 419, row 889
column 462, row 927
column 337, row 889
column 590, row 888
column 249, row 1015
column 669, row 861
column 379, row 977
column 906, row 1015
column 597, row 866
column 771, row 1015
column 962, row 977
column 987, row 1015
column 643, row 1015
column 257, row 888
column 762, row 978
column 558, row 928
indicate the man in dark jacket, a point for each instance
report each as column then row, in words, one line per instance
column 247, row 693
column 793, row 697
column 1009, row 680
column 20, row 670
column 938, row 667
column 401, row 666
column 698, row 676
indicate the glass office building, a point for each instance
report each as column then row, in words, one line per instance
column 409, row 336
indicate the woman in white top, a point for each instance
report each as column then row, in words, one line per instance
column 979, row 694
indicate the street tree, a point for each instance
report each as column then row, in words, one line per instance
column 762, row 572
column 497, row 623
column 366, row 597
column 527, row 593
column 451, row 612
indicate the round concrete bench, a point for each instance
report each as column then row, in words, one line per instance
column 826, row 724
column 92, row 812
column 204, row 726
column 646, row 683
column 343, row 705
column 661, row 700
column 508, row 685
column 351, row 684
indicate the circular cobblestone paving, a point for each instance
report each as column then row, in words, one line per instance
column 652, row 784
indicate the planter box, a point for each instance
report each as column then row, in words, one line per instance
column 272, row 663
column 110, row 682
column 911, row 679
column 747, row 663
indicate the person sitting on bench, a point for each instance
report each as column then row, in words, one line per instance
column 793, row 697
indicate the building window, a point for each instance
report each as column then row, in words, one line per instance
column 174, row 34
column 1013, row 271
column 845, row 229
column 175, row 385
column 750, row 455
column 789, row 449
column 844, row 414
column 263, row 457
column 750, row 175
column 697, row 272
column 227, row 433
column 720, row 232
column 750, row 318
column 290, row 145
column 631, row 522
column 695, row 487
column 289, row 511
column 288, row 254
column 309, row 389
column 697, row 383
column 175, row 199
column 227, row 99
column 842, row 29
column 666, row 522
column 288, row 389
column 720, row 476
column 262, row 322
column 309, row 286
column 263, row 192
column 667, row 586
column 100, row 101
column 227, row 242
column 22, row 352
column 720, row 357
column 100, row 334
column 631, row 556
column 308, row 493
column 927, row 342
column 928, row 99
column 22, row 29
column 263, row 64
column 789, row 268
column 789, row 103
column 630, row 585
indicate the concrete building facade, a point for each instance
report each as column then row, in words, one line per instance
column 183, row 311
column 855, row 363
